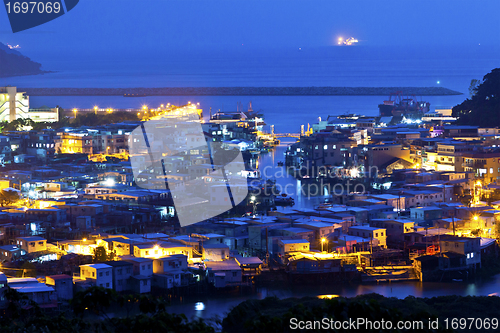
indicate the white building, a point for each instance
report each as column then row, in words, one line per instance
column 372, row 233
column 292, row 245
column 13, row 104
column 100, row 274
column 170, row 263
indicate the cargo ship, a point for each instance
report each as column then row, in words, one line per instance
column 400, row 106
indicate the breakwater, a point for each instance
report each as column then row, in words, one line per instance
column 241, row 91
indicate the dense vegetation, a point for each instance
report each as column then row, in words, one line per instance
column 102, row 310
column 90, row 312
column 273, row 315
column 482, row 108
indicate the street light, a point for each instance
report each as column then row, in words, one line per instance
column 74, row 111
column 323, row 240
column 95, row 109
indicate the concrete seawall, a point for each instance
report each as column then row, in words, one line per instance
column 241, row 91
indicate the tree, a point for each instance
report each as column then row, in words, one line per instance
column 483, row 107
column 100, row 254
column 474, row 84
column 94, row 299
column 8, row 197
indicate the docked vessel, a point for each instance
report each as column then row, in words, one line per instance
column 399, row 106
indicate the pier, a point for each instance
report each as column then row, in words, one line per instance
column 287, row 135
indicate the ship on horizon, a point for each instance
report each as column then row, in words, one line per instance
column 349, row 41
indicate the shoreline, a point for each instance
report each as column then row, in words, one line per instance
column 241, row 91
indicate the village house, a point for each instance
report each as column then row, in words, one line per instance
column 99, row 275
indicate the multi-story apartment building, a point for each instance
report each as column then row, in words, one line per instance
column 13, row 104
column 484, row 165
column 77, row 143
column 449, row 155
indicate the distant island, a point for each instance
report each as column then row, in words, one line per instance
column 13, row 63
column 241, row 91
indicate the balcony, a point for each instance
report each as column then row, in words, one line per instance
column 474, row 164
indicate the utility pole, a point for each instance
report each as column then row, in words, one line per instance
column 267, row 247
column 453, row 220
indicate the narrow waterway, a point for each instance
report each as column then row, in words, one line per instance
column 286, row 183
column 211, row 306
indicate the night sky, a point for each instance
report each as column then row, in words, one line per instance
column 161, row 25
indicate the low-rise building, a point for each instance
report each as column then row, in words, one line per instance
column 101, row 275
column 170, row 263
column 224, row 273
column 215, row 252
column 122, row 271
column 378, row 234
column 32, row 244
column 45, row 296
column 11, row 252
column 63, row 285
column 141, row 266
column 470, row 247
column 293, row 245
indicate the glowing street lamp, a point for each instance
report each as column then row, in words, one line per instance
column 95, row 109
column 323, row 240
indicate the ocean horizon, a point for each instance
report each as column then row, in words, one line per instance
column 357, row 66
